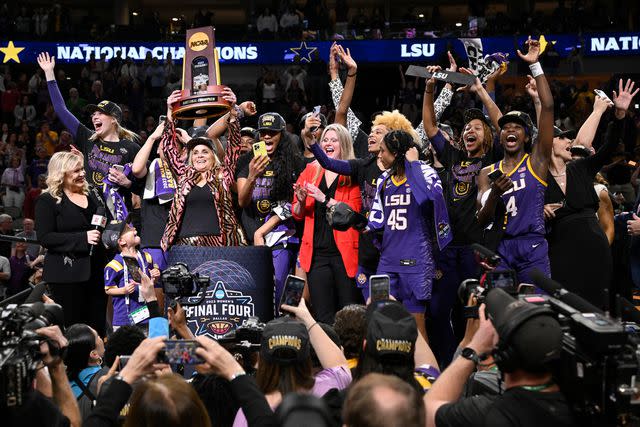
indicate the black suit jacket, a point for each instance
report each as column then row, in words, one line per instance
column 62, row 230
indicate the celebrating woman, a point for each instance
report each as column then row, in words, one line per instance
column 64, row 214
column 202, row 210
column 578, row 248
column 329, row 257
column 265, row 192
column 108, row 144
column 408, row 198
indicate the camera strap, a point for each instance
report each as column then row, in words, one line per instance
column 85, row 389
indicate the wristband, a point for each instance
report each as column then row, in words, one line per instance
column 536, row 69
column 311, row 327
column 236, row 375
column 352, row 75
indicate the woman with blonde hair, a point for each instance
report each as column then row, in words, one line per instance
column 329, row 257
column 63, row 215
column 108, row 144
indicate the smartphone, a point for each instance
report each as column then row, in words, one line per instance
column 632, row 163
column 316, row 110
column 259, row 149
column 123, row 361
column 181, row 352
column 162, row 118
column 293, row 288
column 504, row 279
column 601, row 94
column 379, row 287
column 133, row 269
column 495, row 174
column 119, row 168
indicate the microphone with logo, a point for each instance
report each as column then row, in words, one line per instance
column 99, row 222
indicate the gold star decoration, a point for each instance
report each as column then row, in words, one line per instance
column 11, row 52
column 543, row 43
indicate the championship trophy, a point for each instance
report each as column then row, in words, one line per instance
column 201, row 90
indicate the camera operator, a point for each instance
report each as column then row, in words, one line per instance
column 38, row 409
column 523, row 343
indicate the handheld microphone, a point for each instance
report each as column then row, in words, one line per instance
column 556, row 290
column 99, row 221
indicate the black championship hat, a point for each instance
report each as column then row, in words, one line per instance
column 474, row 113
column 518, row 117
column 559, row 133
column 391, row 331
column 107, row 107
column 112, row 233
column 285, row 340
column 271, row 121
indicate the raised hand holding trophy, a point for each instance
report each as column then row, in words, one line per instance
column 201, row 89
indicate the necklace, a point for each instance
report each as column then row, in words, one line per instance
column 559, row 175
column 537, row 387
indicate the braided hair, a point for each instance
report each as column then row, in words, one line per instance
column 398, row 142
column 286, row 168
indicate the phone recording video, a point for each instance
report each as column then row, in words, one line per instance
column 379, row 287
column 260, row 149
column 292, row 293
column 505, row 280
column 181, row 352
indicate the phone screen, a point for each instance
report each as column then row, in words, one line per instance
column 123, row 361
column 505, row 280
column 118, row 167
column 293, row 288
column 181, row 352
column 316, row 110
column 379, row 287
column 133, row 269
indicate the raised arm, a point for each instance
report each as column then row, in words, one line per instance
column 429, row 120
column 339, row 166
column 337, row 92
column 532, row 90
column 48, row 63
column 139, row 165
column 587, row 131
column 234, row 146
column 489, row 105
column 541, row 155
column 169, row 142
column 441, row 103
column 342, row 110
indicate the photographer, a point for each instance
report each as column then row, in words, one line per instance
column 38, row 409
column 523, row 340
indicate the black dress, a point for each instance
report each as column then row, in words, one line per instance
column 579, row 251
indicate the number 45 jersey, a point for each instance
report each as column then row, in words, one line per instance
column 524, row 203
column 412, row 213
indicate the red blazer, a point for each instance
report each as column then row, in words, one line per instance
column 346, row 241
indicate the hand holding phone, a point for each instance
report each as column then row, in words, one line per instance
column 379, row 287
column 602, row 95
column 292, row 293
column 119, row 168
column 495, row 174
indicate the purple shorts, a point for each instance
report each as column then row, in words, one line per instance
column 524, row 255
column 402, row 288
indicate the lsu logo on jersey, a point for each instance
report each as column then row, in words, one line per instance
column 518, row 185
column 462, row 188
column 398, row 200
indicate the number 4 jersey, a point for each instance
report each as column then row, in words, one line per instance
column 524, row 203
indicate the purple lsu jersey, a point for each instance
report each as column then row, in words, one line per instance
column 406, row 243
column 524, row 202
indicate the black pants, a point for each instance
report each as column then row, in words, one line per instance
column 330, row 287
column 84, row 302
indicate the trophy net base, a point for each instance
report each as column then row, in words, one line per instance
column 205, row 104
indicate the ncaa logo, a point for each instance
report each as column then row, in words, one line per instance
column 198, row 41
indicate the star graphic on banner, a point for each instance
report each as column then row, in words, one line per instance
column 303, row 51
column 544, row 43
column 11, row 52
